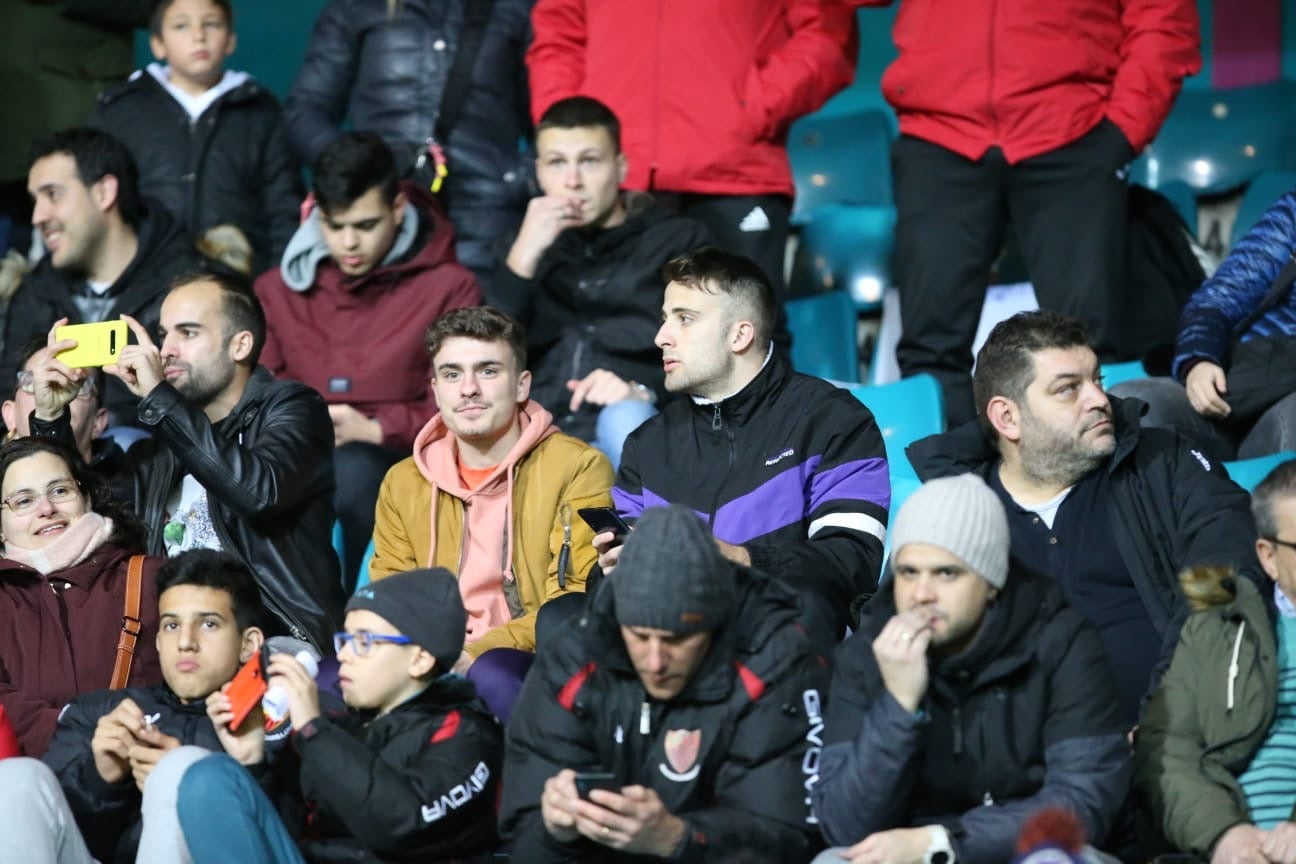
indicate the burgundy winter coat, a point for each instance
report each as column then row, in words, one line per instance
column 59, row 634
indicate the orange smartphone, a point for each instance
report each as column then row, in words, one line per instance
column 246, row 689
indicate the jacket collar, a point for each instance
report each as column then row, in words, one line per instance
column 739, row 408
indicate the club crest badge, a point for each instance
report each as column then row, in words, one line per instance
column 682, row 748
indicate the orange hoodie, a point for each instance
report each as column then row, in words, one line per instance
column 485, row 570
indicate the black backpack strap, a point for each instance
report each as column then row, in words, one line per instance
column 1277, row 291
column 476, row 15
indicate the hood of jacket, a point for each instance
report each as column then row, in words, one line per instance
column 425, row 240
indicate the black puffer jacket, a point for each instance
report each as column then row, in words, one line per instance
column 417, row 784
column 595, row 303
column 387, row 75
column 48, row 294
column 1025, row 718
column 232, row 166
column 732, row 755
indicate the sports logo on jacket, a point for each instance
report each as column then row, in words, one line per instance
column 682, row 747
column 459, row 795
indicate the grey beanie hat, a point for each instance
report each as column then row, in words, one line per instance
column 671, row 576
column 961, row 515
column 424, row 605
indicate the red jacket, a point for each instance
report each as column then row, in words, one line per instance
column 43, row 664
column 705, row 91
column 1030, row 76
column 360, row 341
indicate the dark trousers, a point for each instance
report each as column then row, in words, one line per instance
column 359, row 469
column 735, row 224
column 1068, row 209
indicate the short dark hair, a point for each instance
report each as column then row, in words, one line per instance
column 239, row 304
column 351, row 165
column 161, row 7
column 98, row 155
column 208, row 568
column 1005, row 366
column 29, row 350
column 483, row 323
column 577, row 112
column 1278, row 483
column 715, row 271
column 128, row 531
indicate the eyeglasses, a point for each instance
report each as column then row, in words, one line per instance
column 27, row 384
column 1290, row 544
column 362, row 640
column 25, row 501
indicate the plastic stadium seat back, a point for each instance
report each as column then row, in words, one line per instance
column 842, row 158
column 906, row 411
column 824, row 336
column 1248, row 473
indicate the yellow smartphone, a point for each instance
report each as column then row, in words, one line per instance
column 97, row 344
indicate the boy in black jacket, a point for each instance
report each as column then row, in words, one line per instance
column 416, row 782
column 210, row 142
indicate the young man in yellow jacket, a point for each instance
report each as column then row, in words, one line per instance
column 491, row 493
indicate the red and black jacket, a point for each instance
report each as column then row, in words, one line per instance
column 733, row 755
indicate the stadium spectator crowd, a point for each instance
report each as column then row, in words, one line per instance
column 458, row 499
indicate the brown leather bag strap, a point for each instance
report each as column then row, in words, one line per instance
column 130, row 623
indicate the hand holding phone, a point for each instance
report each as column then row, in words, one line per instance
column 603, row 520
column 589, row 781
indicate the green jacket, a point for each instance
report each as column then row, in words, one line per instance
column 54, row 60
column 1210, row 715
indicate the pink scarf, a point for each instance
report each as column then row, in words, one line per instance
column 69, row 549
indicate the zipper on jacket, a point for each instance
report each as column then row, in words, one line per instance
column 958, row 731
column 717, row 422
column 645, row 718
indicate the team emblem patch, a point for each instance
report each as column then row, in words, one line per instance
column 682, row 747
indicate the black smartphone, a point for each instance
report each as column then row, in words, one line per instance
column 587, row 782
column 604, row 519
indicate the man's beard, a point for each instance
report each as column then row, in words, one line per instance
column 1056, row 459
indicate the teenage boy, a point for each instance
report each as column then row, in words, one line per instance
column 366, row 274
column 210, row 142
column 91, row 796
column 412, row 777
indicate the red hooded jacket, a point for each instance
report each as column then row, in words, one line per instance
column 1030, row 76
column 705, row 91
column 359, row 341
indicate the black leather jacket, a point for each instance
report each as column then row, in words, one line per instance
column 387, row 75
column 268, row 472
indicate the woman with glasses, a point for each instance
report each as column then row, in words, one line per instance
column 65, row 556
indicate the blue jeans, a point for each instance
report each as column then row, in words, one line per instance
column 227, row 819
column 616, row 422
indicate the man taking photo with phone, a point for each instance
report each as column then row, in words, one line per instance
column 237, row 461
column 691, row 682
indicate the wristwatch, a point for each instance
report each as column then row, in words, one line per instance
column 939, row 850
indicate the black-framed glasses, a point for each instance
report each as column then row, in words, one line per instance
column 24, row 501
column 1290, row 544
column 27, row 384
column 362, row 640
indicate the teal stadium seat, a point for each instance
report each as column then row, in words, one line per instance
column 1248, row 473
column 906, row 411
column 846, row 247
column 1119, row 373
column 362, row 578
column 1217, row 141
column 823, row 336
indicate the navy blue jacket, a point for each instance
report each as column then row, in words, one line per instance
column 1026, row 717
